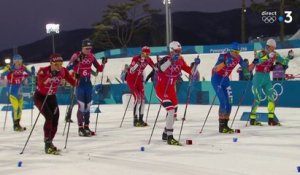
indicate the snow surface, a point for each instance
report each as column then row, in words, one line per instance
column 260, row 150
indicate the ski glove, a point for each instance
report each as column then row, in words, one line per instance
column 77, row 75
column 272, row 54
column 290, row 54
column 12, row 68
column 104, row 60
column 175, row 57
column 79, row 58
column 197, row 60
column 255, row 61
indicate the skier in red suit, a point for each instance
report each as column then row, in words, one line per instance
column 169, row 71
column 134, row 80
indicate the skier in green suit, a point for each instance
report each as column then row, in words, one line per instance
column 262, row 81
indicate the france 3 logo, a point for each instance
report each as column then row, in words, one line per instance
column 271, row 17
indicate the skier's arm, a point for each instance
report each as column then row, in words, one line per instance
column 69, row 78
column 75, row 59
column 150, row 62
column 134, row 65
column 281, row 60
column 6, row 70
column 42, row 77
column 98, row 66
column 164, row 64
column 220, row 63
column 185, row 67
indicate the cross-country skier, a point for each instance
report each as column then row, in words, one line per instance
column 169, row 71
column 134, row 80
column 81, row 62
column 48, row 81
column 15, row 77
column 262, row 82
column 226, row 62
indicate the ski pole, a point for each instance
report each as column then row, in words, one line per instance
column 240, row 102
column 187, row 98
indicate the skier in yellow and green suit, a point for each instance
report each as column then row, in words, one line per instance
column 262, row 81
column 15, row 76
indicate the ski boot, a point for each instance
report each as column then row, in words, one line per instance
column 172, row 141
column 223, row 127
column 141, row 123
column 272, row 122
column 82, row 132
column 164, row 136
column 18, row 127
column 88, row 131
column 254, row 122
column 135, row 121
column 50, row 148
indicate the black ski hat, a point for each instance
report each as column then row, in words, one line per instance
column 87, row 43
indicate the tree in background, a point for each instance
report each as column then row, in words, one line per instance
column 121, row 22
column 280, row 5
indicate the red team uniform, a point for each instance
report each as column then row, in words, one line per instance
column 134, row 80
column 48, row 81
column 169, row 71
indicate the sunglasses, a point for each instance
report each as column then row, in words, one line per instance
column 88, row 48
column 17, row 61
column 177, row 51
column 235, row 51
column 145, row 54
column 57, row 63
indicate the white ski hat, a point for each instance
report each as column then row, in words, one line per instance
column 271, row 42
column 174, row 45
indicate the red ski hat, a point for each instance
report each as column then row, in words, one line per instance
column 146, row 50
column 56, row 57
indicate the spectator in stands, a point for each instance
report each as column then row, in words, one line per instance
column 196, row 76
column 244, row 73
column 123, row 73
column 278, row 72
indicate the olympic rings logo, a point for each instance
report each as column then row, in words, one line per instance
column 86, row 61
column 277, row 91
column 18, row 72
column 175, row 68
column 56, row 80
column 269, row 19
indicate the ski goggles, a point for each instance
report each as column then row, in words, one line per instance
column 235, row 51
column 18, row 61
column 58, row 63
column 88, row 48
column 177, row 51
column 145, row 54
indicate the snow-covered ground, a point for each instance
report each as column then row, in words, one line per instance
column 259, row 150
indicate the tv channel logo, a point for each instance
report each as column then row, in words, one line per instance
column 271, row 17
